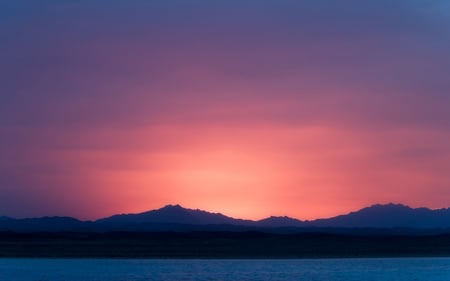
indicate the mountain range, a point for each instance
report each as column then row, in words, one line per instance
column 392, row 217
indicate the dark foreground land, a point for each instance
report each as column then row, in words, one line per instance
column 219, row 245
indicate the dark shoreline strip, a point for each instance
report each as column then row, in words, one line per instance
column 246, row 245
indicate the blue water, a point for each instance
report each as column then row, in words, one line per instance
column 398, row 269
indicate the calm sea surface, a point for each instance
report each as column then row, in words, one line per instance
column 401, row 269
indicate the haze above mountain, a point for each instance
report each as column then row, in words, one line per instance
column 177, row 218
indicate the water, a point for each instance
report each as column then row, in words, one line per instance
column 398, row 269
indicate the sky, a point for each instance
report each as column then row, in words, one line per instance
column 247, row 107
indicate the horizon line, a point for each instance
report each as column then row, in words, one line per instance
column 220, row 213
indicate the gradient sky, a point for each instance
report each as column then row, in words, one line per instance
column 249, row 108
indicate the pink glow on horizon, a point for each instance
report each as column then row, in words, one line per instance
column 306, row 173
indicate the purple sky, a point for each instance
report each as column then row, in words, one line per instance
column 251, row 108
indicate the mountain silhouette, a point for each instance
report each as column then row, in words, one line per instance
column 389, row 216
column 173, row 214
column 43, row 224
column 279, row 222
column 177, row 218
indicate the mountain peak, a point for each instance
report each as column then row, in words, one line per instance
column 173, row 214
column 389, row 205
column 385, row 208
column 279, row 221
column 389, row 216
column 171, row 206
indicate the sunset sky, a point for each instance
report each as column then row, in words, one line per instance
column 250, row 108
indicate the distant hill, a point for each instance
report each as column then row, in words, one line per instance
column 389, row 216
column 177, row 218
column 43, row 224
column 279, row 222
column 173, row 214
